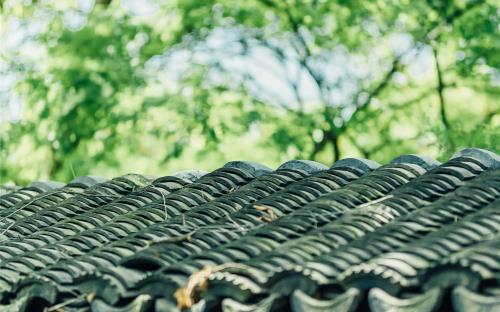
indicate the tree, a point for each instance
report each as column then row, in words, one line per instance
column 306, row 34
column 297, row 79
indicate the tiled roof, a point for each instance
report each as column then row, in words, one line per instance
column 411, row 235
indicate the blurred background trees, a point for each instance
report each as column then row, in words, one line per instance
column 108, row 87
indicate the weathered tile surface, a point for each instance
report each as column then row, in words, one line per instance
column 411, row 235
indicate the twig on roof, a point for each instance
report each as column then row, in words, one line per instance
column 241, row 228
column 233, row 227
column 21, row 208
column 375, row 201
column 164, row 206
column 60, row 306
column 174, row 239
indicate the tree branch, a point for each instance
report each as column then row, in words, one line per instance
column 432, row 34
column 489, row 116
column 319, row 146
column 328, row 137
column 440, row 88
column 336, row 147
column 376, row 91
column 365, row 152
column 435, row 32
column 307, row 53
column 332, row 134
column 334, row 131
column 105, row 3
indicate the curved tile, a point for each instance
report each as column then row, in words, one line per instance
column 246, row 238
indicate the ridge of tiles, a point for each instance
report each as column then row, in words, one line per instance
column 411, row 235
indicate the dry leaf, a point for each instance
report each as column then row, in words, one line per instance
column 198, row 280
column 271, row 216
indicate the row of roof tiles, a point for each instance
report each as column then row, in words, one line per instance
column 412, row 234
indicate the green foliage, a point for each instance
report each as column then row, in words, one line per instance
column 121, row 91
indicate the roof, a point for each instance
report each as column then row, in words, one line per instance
column 413, row 234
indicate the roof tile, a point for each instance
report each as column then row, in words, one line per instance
column 359, row 235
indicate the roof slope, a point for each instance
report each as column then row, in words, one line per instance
column 410, row 235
